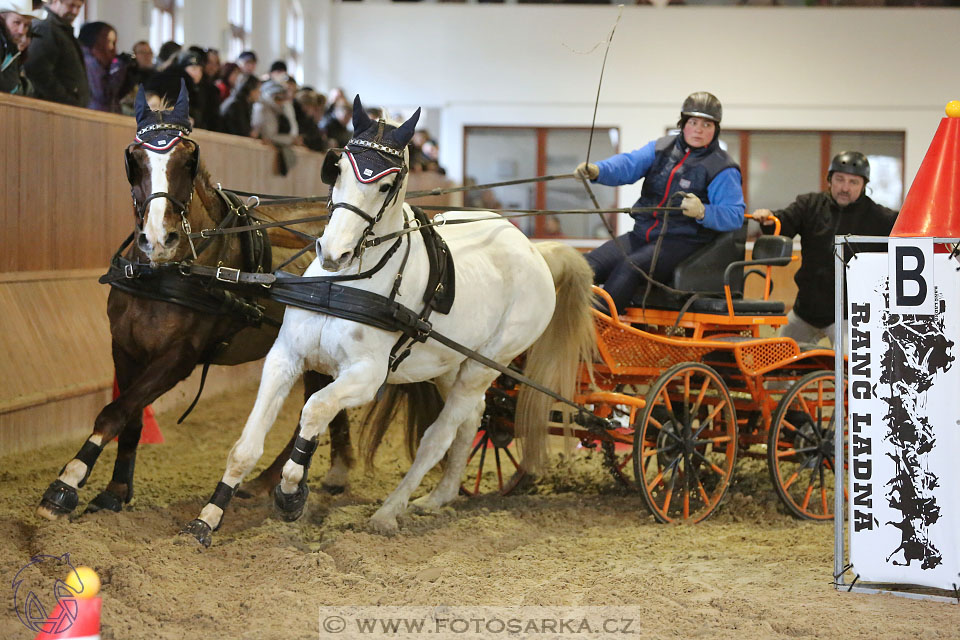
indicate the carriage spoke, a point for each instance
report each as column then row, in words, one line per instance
column 483, row 457
column 703, row 492
column 701, row 394
column 716, row 440
column 791, row 452
column 496, row 457
column 714, row 467
column 791, row 480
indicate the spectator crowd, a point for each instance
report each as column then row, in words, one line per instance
column 40, row 57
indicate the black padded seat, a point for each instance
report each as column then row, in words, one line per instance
column 705, row 270
column 740, row 307
column 701, row 271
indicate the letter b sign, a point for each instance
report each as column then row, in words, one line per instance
column 911, row 276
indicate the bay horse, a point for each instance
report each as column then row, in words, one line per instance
column 511, row 296
column 157, row 343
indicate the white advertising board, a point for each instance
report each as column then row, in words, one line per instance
column 903, row 385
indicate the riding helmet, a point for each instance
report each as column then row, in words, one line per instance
column 702, row 104
column 850, row 162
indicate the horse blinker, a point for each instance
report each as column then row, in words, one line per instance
column 330, row 170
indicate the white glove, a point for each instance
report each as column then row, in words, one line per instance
column 588, row 170
column 692, row 207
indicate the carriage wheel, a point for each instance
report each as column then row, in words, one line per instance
column 685, row 444
column 492, row 466
column 800, row 448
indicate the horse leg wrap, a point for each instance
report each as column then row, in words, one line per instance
column 88, row 455
column 221, row 496
column 60, row 498
column 302, row 453
column 123, row 474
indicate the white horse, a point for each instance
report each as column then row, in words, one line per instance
column 511, row 295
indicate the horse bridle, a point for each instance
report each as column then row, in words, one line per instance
column 181, row 208
column 330, row 173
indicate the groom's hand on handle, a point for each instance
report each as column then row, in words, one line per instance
column 763, row 216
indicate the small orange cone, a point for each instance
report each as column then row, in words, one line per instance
column 151, row 430
column 932, row 206
column 73, row 618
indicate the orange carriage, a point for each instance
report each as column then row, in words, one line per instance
column 689, row 382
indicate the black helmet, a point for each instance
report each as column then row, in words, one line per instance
column 702, row 105
column 850, row 162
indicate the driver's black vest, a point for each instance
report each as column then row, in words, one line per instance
column 697, row 169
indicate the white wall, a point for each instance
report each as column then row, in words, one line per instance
column 783, row 68
column 800, row 68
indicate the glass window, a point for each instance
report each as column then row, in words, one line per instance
column 566, row 148
column 498, row 154
column 161, row 23
column 781, row 166
column 239, row 16
column 295, row 40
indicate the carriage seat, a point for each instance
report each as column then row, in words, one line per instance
column 710, row 267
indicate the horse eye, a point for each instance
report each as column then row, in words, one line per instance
column 385, row 187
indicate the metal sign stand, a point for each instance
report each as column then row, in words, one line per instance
column 840, row 567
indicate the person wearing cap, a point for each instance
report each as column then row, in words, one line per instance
column 15, row 16
column 188, row 67
column 276, row 121
column 247, row 61
column 688, row 170
column 54, row 61
column 844, row 208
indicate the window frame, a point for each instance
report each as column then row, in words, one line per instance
column 540, row 198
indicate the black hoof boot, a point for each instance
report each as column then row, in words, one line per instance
column 58, row 500
column 200, row 531
column 291, row 505
column 106, row 501
column 333, row 489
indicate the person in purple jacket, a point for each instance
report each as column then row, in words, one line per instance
column 689, row 169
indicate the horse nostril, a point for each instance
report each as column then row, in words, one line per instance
column 143, row 243
column 343, row 257
column 172, row 238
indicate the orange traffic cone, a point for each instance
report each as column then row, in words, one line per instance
column 74, row 618
column 932, row 206
column 151, row 430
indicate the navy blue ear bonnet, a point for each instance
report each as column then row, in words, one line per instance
column 376, row 148
column 160, row 131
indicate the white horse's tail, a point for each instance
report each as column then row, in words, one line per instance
column 554, row 359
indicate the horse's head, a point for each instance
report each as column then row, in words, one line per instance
column 368, row 180
column 162, row 164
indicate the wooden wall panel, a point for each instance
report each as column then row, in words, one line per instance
column 68, row 203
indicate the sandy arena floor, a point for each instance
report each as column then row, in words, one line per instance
column 749, row 572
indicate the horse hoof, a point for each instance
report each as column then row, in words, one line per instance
column 333, row 489
column 60, row 499
column 253, row 489
column 200, row 531
column 106, row 501
column 384, row 527
column 291, row 505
